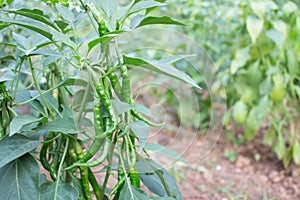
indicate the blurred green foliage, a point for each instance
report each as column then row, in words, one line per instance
column 256, row 48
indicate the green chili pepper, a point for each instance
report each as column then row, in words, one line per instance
column 125, row 90
column 43, row 155
column 94, row 184
column 115, row 83
column 142, row 118
column 106, row 86
column 104, row 151
column 5, row 117
column 84, row 174
column 134, row 178
column 2, row 133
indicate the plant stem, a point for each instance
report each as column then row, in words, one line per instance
column 60, row 167
column 38, row 87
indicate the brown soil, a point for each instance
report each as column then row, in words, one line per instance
column 214, row 177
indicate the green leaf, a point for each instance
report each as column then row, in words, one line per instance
column 30, row 24
column 292, row 62
column 269, row 136
column 64, row 125
column 103, row 39
column 6, row 75
column 157, row 20
column 172, row 59
column 276, row 37
column 130, row 192
column 4, row 25
column 151, row 174
column 279, row 147
column 141, row 5
column 34, row 14
column 280, row 26
column 22, row 120
column 259, row 8
column 166, row 152
column 289, row 7
column 20, row 179
column 141, row 130
column 296, row 152
column 65, row 13
column 14, row 147
column 109, row 7
column 160, row 68
column 240, row 59
column 60, row 191
column 254, row 27
column 288, row 157
column 121, row 107
column 256, row 117
column 58, row 36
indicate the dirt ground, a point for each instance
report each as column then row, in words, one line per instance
column 215, row 178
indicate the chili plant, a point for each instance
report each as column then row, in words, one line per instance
column 66, row 103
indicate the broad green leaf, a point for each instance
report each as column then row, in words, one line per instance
column 279, row 147
column 150, row 173
column 66, row 14
column 141, row 5
column 240, row 112
column 130, row 192
column 296, row 152
column 254, row 27
column 280, row 26
column 141, row 130
column 266, row 86
column 276, row 37
column 58, row 36
column 58, row 191
column 240, row 59
column 63, row 125
column 109, row 7
column 121, row 107
column 269, row 136
column 6, row 75
column 158, row 20
column 34, row 14
column 20, row 179
column 292, row 63
column 160, row 68
column 172, row 59
column 157, row 148
column 256, row 117
column 259, row 8
column 22, row 120
column 14, row 147
column 30, row 24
